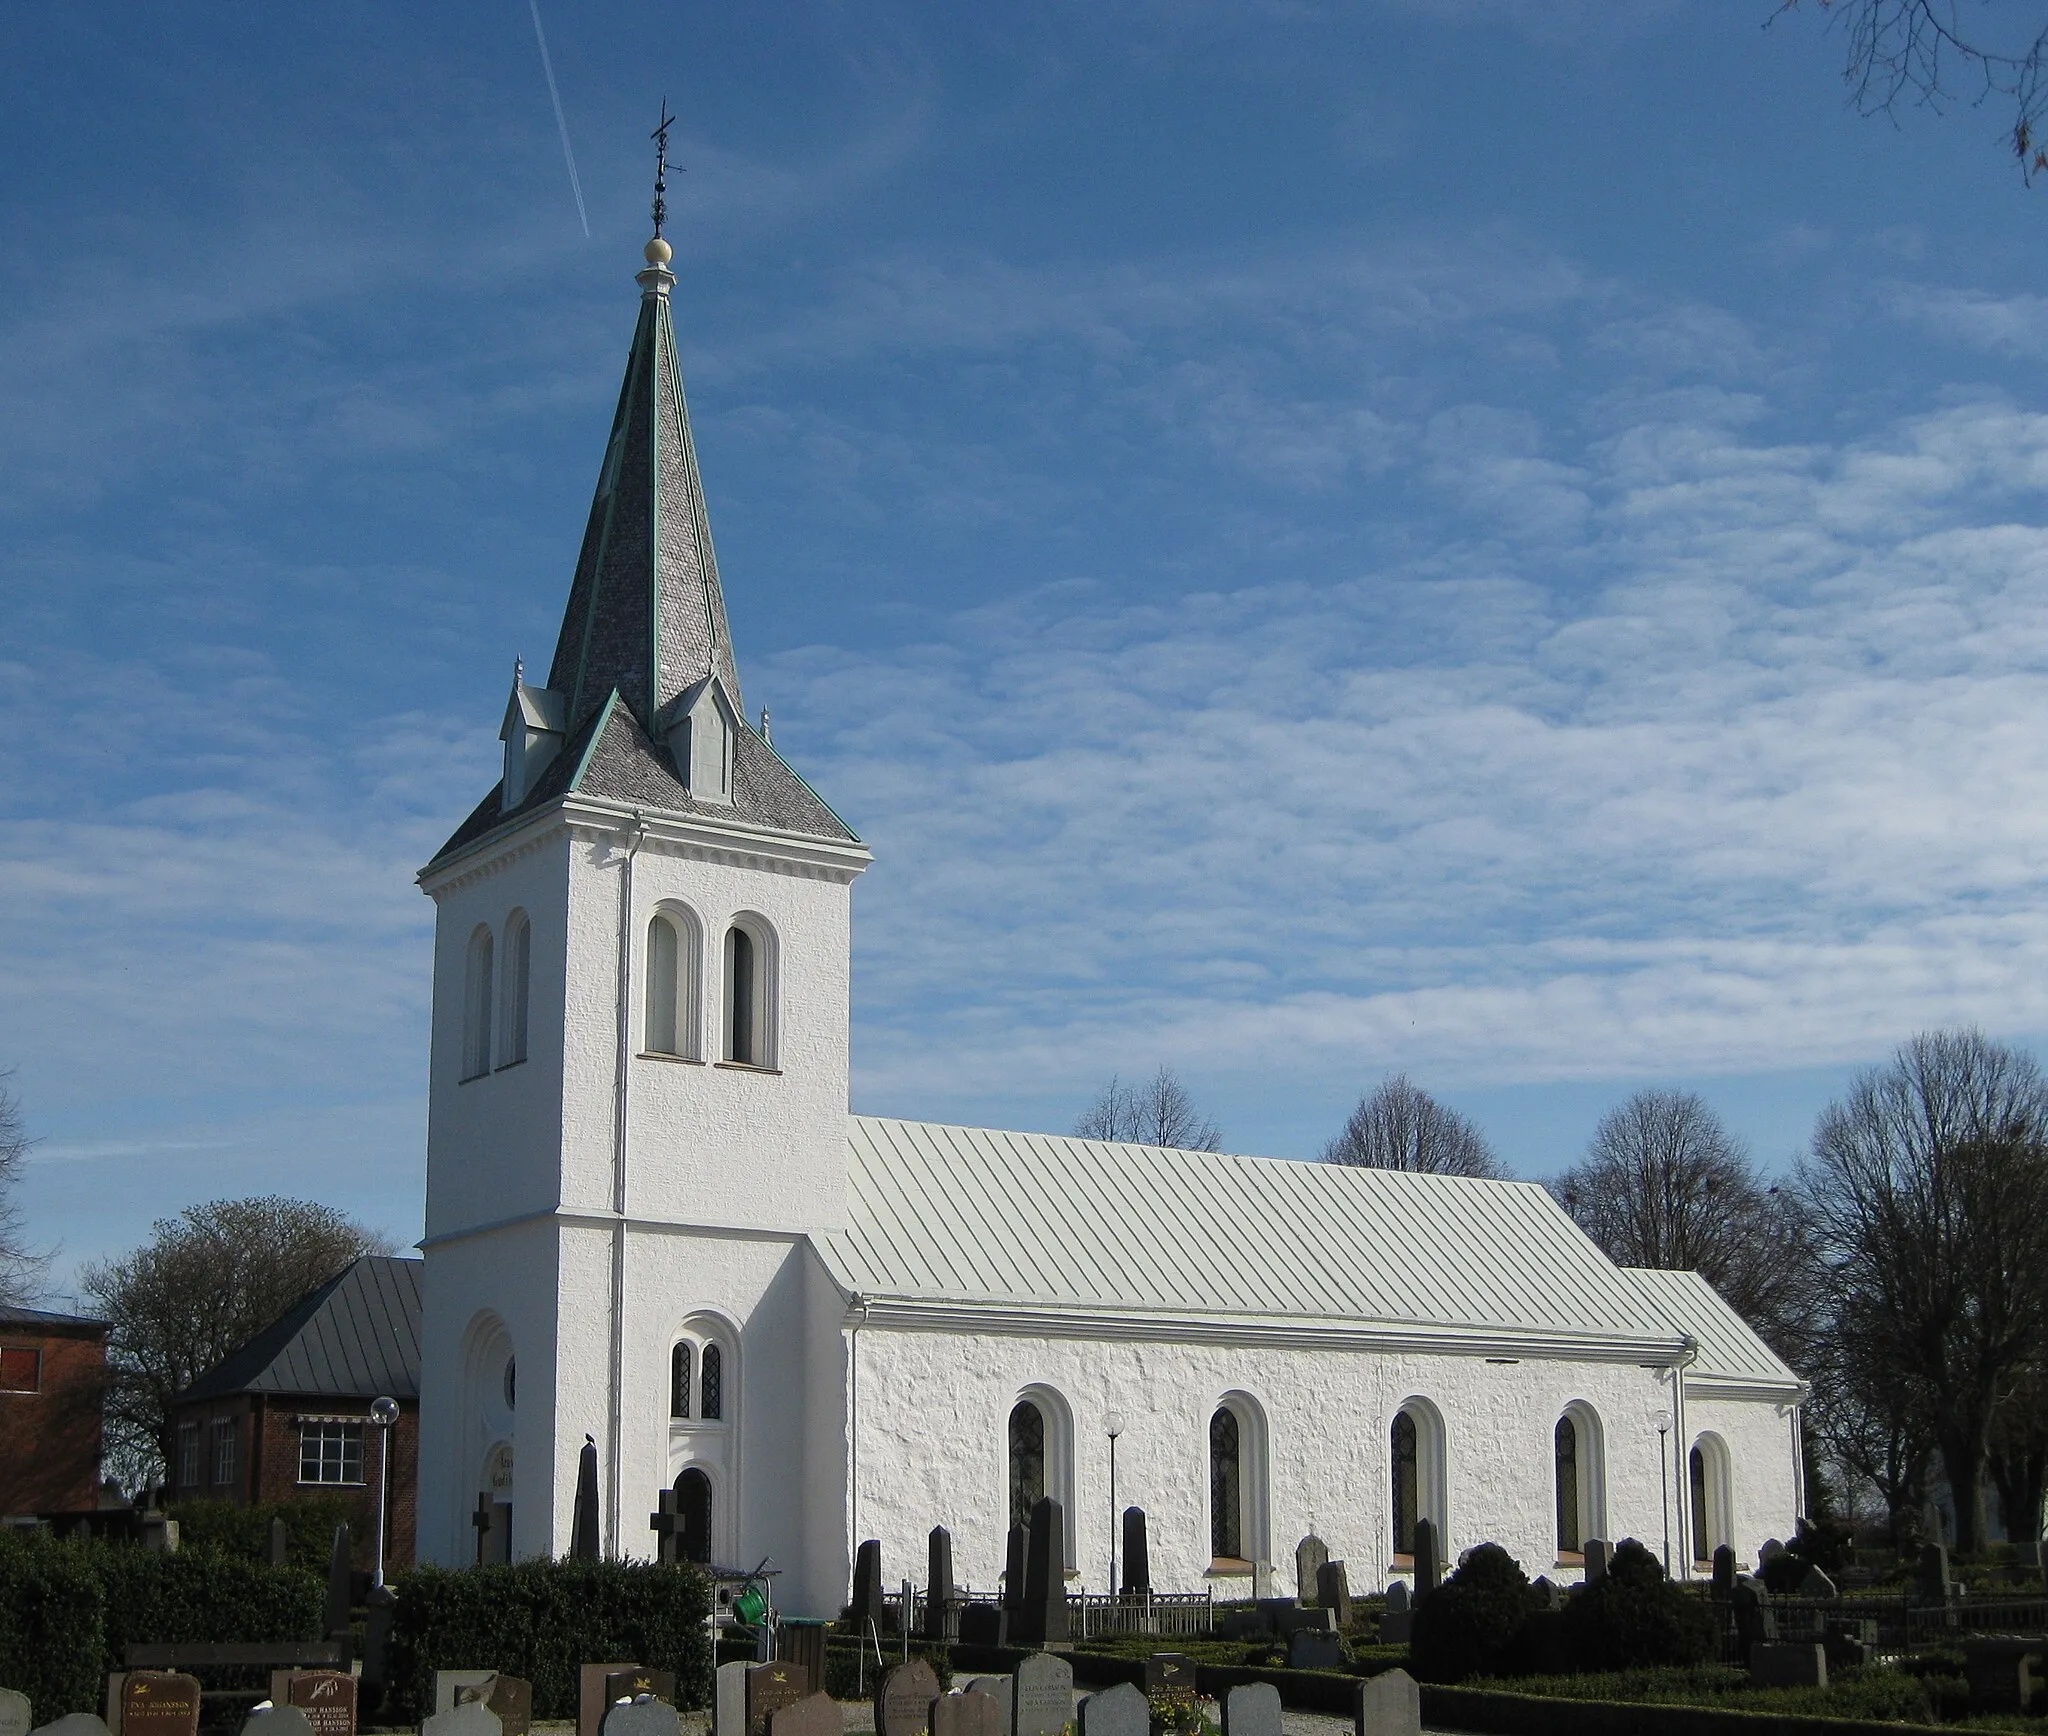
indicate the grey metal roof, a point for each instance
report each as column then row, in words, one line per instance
column 1029, row 1220
column 41, row 1320
column 356, row 1336
column 1730, row 1349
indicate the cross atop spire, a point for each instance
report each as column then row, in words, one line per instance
column 660, row 138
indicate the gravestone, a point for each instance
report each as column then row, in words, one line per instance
column 813, row 1715
column 448, row 1685
column 634, row 1681
column 1137, row 1554
column 591, row 1697
column 1043, row 1619
column 1785, row 1664
column 2004, row 1673
column 1428, row 1558
column 1169, row 1673
column 1116, row 1711
column 1042, row 1696
column 984, row 1624
column 1595, row 1552
column 159, row 1703
column 1018, row 1547
column 1817, row 1584
column 1398, row 1622
column 1931, row 1583
column 1002, row 1690
column 729, row 1700
column 770, row 1687
column 644, row 1715
column 938, row 1584
column 1768, row 1551
column 1547, row 1595
column 1309, row 1650
column 868, row 1607
column 510, row 1697
column 1389, row 1704
column 1724, row 1573
column 1333, row 1591
column 903, row 1700
column 280, row 1541
column 470, row 1718
column 17, row 1718
column 968, row 1714
column 1309, row 1555
column 269, row 1720
column 340, row 1586
column 1252, row 1710
column 1262, row 1580
column 73, row 1724
column 327, row 1697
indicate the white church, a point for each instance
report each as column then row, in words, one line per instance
column 652, row 1222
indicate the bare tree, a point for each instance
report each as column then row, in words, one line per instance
column 1159, row 1112
column 207, row 1281
column 2018, row 1456
column 1915, row 52
column 1665, row 1184
column 22, row 1266
column 1872, row 1423
column 1927, row 1193
column 1398, row 1125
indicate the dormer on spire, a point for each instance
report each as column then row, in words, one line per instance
column 533, row 734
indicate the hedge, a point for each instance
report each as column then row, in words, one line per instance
column 542, row 1621
column 244, row 1532
column 69, row 1609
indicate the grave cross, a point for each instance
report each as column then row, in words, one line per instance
column 481, row 1519
column 665, row 1522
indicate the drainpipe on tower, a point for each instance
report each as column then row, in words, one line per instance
column 621, row 1101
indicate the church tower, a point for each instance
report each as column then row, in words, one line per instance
column 637, row 1109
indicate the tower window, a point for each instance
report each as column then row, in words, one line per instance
column 476, row 1007
column 742, row 998
column 679, row 1380
column 713, row 1391
column 672, row 983
column 517, row 973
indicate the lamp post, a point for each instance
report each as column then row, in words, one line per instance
column 1115, row 1427
column 1664, row 1485
column 383, row 1414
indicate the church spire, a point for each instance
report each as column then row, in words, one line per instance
column 646, row 614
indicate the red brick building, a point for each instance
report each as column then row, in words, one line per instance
column 53, row 1372
column 287, row 1415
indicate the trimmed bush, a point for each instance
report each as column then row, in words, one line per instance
column 244, row 1532
column 52, row 1626
column 542, row 1621
column 199, row 1596
column 1635, row 1618
column 1467, row 1625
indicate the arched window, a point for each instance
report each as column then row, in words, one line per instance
column 679, row 1380
column 742, row 1001
column 518, row 973
column 476, row 1006
column 1027, row 1460
column 1708, row 1489
column 1570, row 1537
column 1416, row 1453
column 672, row 983
column 1406, row 1455
column 1226, row 1486
column 693, row 1509
column 713, row 1408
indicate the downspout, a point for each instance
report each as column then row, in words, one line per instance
column 1681, row 1457
column 621, row 1104
column 858, row 1314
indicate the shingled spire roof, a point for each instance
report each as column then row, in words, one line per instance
column 645, row 614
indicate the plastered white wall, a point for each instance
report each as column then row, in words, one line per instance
column 1761, row 1449
column 933, row 1449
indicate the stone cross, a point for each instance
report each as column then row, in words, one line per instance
column 968, row 1714
column 1137, row 1561
column 938, row 1584
column 1044, row 1615
column 903, row 1700
column 1116, row 1711
column 1309, row 1555
column 867, row 1588
column 666, row 1522
column 1428, row 1558
column 480, row 1523
column 1252, row 1710
column 1333, row 1591
column 1389, row 1704
column 1042, row 1695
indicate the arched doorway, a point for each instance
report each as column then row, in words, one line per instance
column 693, row 1511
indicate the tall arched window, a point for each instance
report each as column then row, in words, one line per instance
column 1226, row 1486
column 663, row 946
column 1407, row 1468
column 476, row 1006
column 518, row 975
column 679, row 1380
column 742, row 998
column 693, row 1509
column 1027, row 1460
column 713, row 1407
column 1708, row 1488
column 1570, row 1535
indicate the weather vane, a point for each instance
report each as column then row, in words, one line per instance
column 660, row 138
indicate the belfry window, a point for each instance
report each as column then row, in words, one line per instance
column 1027, row 1461
column 517, row 974
column 742, row 998
column 662, row 948
column 476, row 1007
column 679, row 1380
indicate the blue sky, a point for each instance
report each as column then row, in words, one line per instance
column 1497, row 540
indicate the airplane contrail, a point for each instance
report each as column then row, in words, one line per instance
column 561, row 123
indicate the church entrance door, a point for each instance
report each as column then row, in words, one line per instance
column 693, row 1509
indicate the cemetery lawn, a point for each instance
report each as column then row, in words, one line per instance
column 1873, row 1691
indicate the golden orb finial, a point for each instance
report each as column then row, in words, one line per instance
column 658, row 252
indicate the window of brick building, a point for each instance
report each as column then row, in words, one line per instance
column 223, row 1450
column 330, row 1452
column 188, row 1455
column 21, row 1369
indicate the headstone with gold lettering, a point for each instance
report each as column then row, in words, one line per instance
column 159, row 1703
column 903, row 1700
column 327, row 1697
column 770, row 1687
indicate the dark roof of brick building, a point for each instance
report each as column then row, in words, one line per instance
column 41, row 1320
column 356, row 1336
